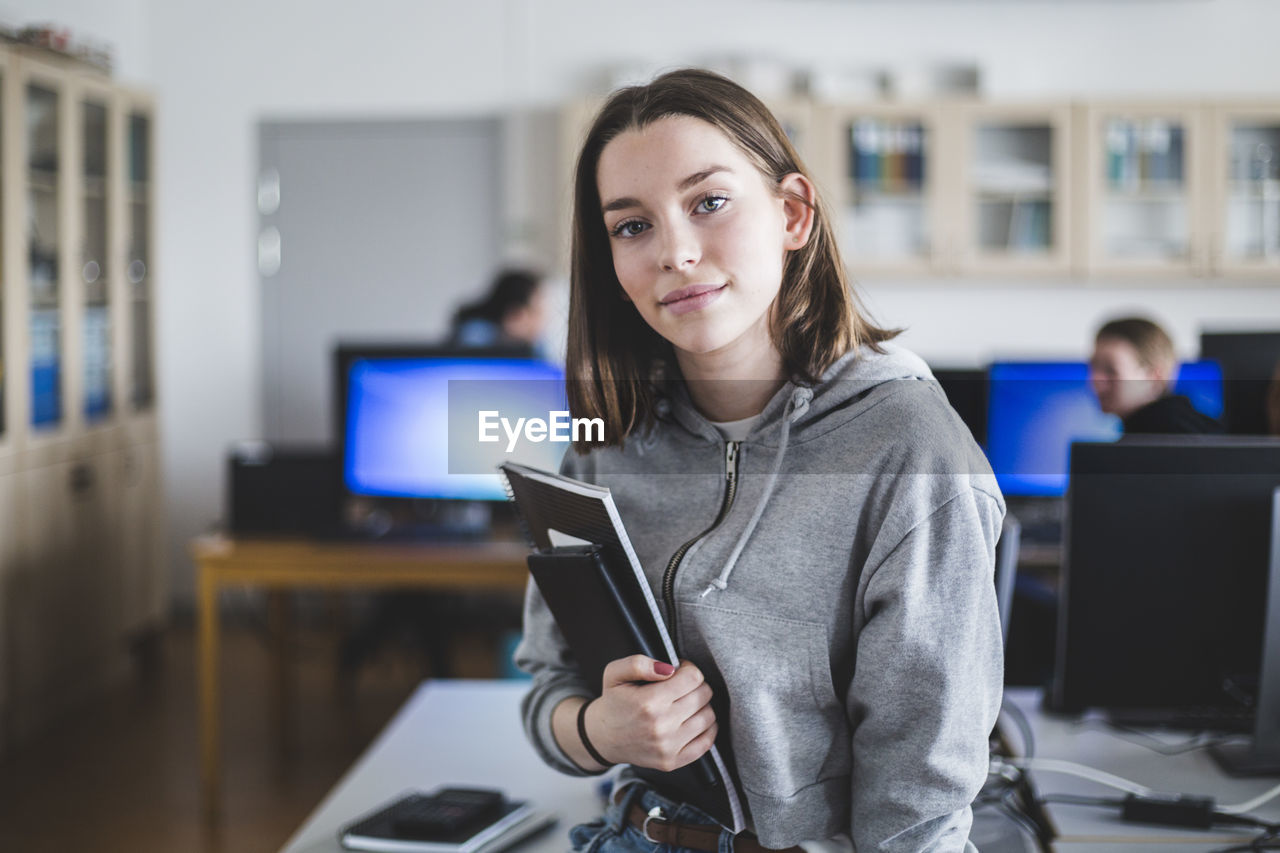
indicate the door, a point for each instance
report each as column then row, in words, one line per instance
column 370, row 230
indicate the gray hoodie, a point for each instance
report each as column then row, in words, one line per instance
column 843, row 609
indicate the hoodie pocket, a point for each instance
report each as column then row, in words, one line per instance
column 787, row 726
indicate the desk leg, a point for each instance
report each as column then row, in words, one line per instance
column 278, row 618
column 210, row 763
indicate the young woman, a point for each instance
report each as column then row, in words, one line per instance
column 814, row 518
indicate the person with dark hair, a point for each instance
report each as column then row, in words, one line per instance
column 817, row 524
column 1132, row 371
column 513, row 312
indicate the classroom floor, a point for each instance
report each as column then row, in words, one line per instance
column 123, row 774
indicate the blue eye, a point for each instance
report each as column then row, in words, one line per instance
column 712, row 203
column 628, row 228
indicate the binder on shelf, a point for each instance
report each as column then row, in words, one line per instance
column 604, row 606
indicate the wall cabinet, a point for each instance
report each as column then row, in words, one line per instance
column 1107, row 190
column 882, row 170
column 949, row 188
column 1143, row 180
column 80, row 523
column 1244, row 177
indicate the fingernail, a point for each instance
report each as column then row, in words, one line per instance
column 663, row 668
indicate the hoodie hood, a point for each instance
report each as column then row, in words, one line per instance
column 845, row 386
column 797, row 410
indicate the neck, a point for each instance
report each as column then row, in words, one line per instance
column 728, row 385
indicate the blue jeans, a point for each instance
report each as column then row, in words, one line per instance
column 612, row 833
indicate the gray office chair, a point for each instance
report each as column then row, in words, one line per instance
column 1007, row 569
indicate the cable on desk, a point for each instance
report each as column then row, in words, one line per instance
column 1148, row 806
column 1024, row 727
column 1009, row 792
column 1269, row 840
column 1138, row 737
column 1249, row 806
column 1074, row 800
column 1070, row 768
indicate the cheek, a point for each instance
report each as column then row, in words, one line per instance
column 626, row 268
column 754, row 252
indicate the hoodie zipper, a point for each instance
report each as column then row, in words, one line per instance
column 730, row 490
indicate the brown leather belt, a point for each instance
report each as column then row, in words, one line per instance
column 658, row 829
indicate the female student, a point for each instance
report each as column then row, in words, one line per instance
column 1131, row 371
column 814, row 519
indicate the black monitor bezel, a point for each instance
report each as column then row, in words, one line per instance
column 1142, row 457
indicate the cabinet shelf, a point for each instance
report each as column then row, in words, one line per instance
column 1255, row 190
column 94, row 188
column 887, row 197
column 1006, row 196
column 42, row 181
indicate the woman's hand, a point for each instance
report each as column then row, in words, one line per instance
column 652, row 714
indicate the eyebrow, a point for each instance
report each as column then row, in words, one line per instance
column 693, row 180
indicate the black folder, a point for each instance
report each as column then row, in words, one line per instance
column 605, row 609
column 594, row 612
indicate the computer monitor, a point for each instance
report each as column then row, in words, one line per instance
column 1248, row 360
column 408, row 419
column 1260, row 755
column 1036, row 409
column 966, row 390
column 1165, row 577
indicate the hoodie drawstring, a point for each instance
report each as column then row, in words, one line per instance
column 796, row 408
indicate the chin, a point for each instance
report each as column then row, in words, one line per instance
column 700, row 343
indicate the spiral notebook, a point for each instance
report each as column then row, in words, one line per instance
column 603, row 603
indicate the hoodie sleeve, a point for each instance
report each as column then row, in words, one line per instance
column 544, row 654
column 928, row 681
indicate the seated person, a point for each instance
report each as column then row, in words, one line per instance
column 512, row 313
column 1132, row 371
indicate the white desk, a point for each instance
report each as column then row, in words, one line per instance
column 1095, row 830
column 469, row 732
column 460, row 733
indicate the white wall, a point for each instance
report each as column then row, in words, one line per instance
column 219, row 68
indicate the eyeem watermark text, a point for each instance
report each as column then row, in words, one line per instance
column 558, row 427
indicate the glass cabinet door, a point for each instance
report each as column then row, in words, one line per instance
column 1015, row 203
column 1247, row 171
column 95, row 265
column 138, row 261
column 43, row 133
column 884, row 187
column 4, row 271
column 1143, row 192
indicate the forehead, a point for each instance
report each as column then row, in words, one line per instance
column 659, row 155
column 1115, row 348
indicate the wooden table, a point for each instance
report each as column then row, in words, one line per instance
column 278, row 565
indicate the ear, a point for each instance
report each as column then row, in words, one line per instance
column 798, row 198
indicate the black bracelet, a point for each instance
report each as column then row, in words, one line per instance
column 586, row 742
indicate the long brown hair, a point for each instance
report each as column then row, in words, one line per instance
column 614, row 357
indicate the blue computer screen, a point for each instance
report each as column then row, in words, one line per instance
column 1036, row 409
column 398, row 420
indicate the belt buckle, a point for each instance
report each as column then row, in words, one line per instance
column 655, row 813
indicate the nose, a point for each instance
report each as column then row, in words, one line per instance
column 680, row 249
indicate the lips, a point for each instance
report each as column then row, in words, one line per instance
column 691, row 298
